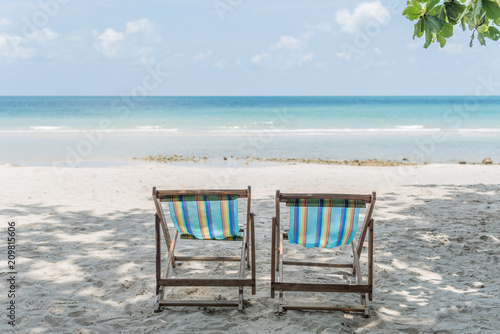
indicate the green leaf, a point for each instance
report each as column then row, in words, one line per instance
column 412, row 13
column 451, row 11
column 418, row 29
column 459, row 7
column 480, row 38
column 493, row 33
column 422, row 28
column 470, row 20
column 433, row 23
column 431, row 4
column 442, row 13
column 466, row 11
column 494, row 30
column 477, row 9
column 436, row 19
column 482, row 28
column 415, row 4
column 447, row 31
column 441, row 40
column 435, row 11
column 428, row 38
column 492, row 9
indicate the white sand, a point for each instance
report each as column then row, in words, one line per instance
column 86, row 249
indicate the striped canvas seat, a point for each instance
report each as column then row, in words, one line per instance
column 204, row 216
column 322, row 220
column 324, row 223
column 207, row 214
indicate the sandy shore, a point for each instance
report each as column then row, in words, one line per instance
column 85, row 239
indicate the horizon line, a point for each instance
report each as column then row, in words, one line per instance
column 149, row 96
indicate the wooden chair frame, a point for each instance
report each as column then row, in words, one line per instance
column 247, row 256
column 277, row 261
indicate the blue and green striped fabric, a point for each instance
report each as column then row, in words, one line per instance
column 205, row 217
column 322, row 223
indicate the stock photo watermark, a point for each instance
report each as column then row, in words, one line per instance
column 224, row 7
column 371, row 29
column 76, row 154
column 41, row 18
column 453, row 118
column 252, row 145
column 11, row 273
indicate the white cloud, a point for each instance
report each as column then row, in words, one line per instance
column 202, row 56
column 136, row 42
column 37, row 44
column 362, row 16
column 220, row 64
column 110, row 43
column 349, row 55
column 288, row 43
column 14, row 47
column 43, row 35
column 377, row 51
column 288, row 52
column 142, row 27
column 259, row 58
column 453, row 48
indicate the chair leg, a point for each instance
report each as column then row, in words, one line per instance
column 157, row 308
column 248, row 248
column 240, row 301
column 354, row 257
column 366, row 313
column 242, row 266
column 273, row 255
column 158, row 254
column 370, row 259
column 166, row 235
column 363, row 299
column 281, row 269
column 277, row 245
column 252, row 244
column 159, row 290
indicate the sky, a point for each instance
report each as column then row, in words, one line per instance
column 231, row 47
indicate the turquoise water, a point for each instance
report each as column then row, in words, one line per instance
column 41, row 130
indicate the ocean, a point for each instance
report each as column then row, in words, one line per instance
column 78, row 131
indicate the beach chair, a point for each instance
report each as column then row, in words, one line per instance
column 203, row 215
column 326, row 221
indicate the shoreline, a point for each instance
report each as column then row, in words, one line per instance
column 233, row 162
column 246, row 160
column 96, row 146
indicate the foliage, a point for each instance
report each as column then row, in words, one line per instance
column 436, row 19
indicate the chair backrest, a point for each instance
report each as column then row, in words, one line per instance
column 323, row 220
column 208, row 214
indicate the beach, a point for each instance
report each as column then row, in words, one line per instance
column 85, row 243
column 346, row 103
